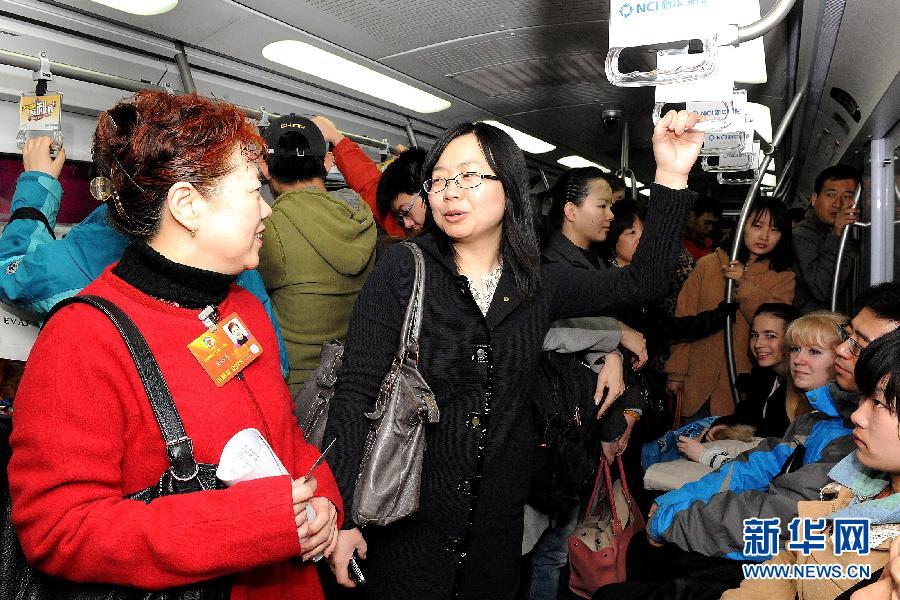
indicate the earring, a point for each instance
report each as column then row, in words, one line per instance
column 193, row 233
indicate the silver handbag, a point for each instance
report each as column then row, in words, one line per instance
column 390, row 474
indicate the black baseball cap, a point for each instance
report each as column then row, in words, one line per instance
column 292, row 135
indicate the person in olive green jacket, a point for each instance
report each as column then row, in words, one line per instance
column 318, row 247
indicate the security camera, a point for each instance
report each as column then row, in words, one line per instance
column 611, row 117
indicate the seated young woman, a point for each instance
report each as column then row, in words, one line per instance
column 713, row 441
column 810, row 342
column 864, row 485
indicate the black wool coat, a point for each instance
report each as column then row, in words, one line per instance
column 465, row 539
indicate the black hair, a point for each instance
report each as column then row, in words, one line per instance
column 402, row 176
column 519, row 240
column 782, row 256
column 625, row 213
column 880, row 358
column 797, row 213
column 288, row 169
column 785, row 312
column 882, row 299
column 617, row 184
column 707, row 204
column 572, row 186
column 835, row 173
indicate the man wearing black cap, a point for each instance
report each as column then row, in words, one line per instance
column 318, row 247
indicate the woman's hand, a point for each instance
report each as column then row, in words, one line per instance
column 36, row 157
column 690, row 447
column 302, row 491
column 611, row 381
column 676, row 147
column 348, row 541
column 674, row 387
column 322, row 530
column 734, row 270
column 626, row 437
column 635, row 341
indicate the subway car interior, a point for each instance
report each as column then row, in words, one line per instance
column 795, row 86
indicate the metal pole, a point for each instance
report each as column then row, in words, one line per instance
column 739, row 230
column 544, row 178
column 842, row 245
column 184, row 69
column 33, row 63
column 775, row 16
column 781, row 186
column 362, row 140
column 411, row 135
column 623, row 157
column 882, row 212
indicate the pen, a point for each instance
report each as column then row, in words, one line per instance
column 320, row 460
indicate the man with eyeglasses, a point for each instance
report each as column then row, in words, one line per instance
column 400, row 192
column 879, row 314
column 705, row 517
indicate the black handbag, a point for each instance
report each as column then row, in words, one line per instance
column 19, row 581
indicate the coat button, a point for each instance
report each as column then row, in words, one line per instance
column 477, row 420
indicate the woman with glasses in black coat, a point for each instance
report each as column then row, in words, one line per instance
column 488, row 304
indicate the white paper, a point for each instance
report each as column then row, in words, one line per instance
column 248, row 456
column 18, row 331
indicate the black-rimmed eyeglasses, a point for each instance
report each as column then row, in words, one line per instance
column 464, row 181
column 844, row 335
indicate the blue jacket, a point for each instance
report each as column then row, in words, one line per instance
column 37, row 271
column 707, row 515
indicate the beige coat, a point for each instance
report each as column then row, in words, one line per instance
column 701, row 365
column 811, row 589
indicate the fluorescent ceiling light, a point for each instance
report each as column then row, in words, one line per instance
column 524, row 141
column 140, row 7
column 331, row 67
column 577, row 162
column 644, row 192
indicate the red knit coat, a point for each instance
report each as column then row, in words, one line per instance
column 85, row 436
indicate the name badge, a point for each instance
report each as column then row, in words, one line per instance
column 227, row 351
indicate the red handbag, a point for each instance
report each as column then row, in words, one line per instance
column 598, row 547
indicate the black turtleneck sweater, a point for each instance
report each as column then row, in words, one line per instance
column 157, row 276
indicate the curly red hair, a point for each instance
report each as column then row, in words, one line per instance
column 147, row 143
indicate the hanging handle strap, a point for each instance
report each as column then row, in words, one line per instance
column 179, row 448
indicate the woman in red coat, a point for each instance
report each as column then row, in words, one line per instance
column 185, row 188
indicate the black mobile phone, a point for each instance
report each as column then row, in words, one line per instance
column 355, row 572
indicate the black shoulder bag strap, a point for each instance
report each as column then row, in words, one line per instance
column 179, row 447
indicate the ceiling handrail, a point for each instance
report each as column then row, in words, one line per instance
column 33, row 63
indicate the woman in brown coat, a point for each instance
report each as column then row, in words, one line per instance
column 698, row 370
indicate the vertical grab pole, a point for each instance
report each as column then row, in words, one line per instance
column 184, row 69
column 739, row 231
column 842, row 245
column 411, row 134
